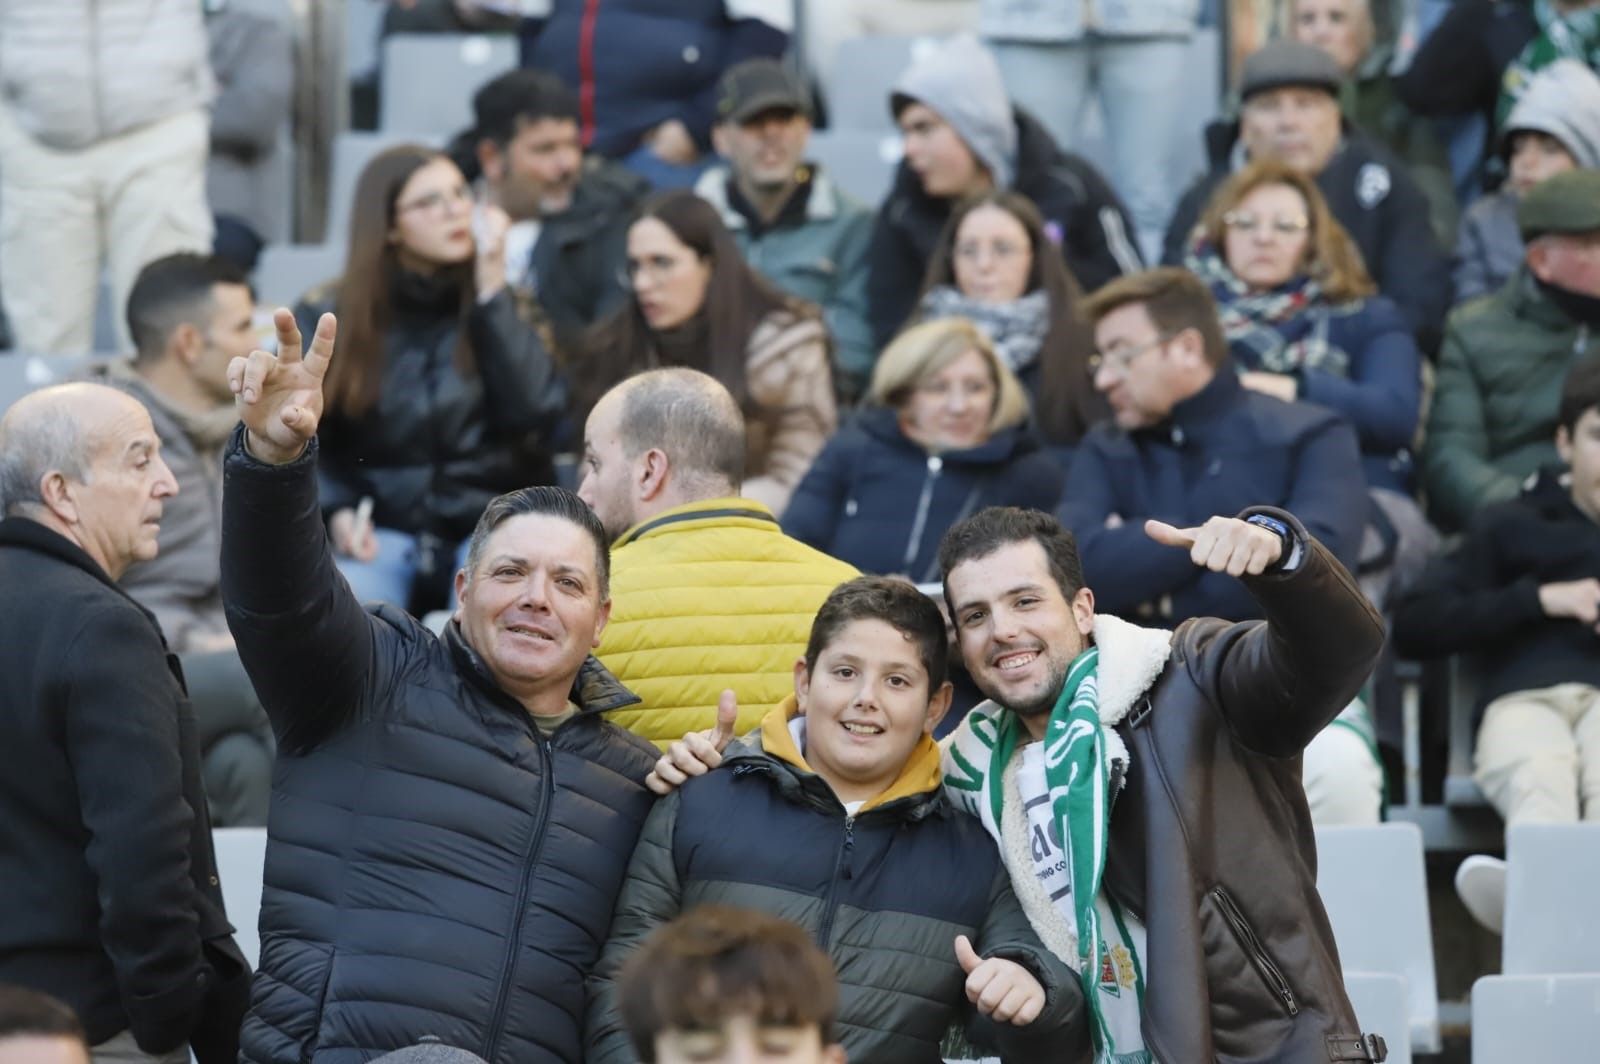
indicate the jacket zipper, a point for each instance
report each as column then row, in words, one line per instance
column 920, row 522
column 530, row 862
column 831, row 905
column 1254, row 950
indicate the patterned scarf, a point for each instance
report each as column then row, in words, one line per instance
column 1016, row 329
column 1562, row 35
column 1077, row 759
column 1281, row 331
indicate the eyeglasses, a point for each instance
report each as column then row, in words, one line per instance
column 1246, row 222
column 999, row 250
column 1121, row 358
column 433, row 201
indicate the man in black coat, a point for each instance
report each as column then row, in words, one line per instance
column 451, row 818
column 112, row 902
column 1289, row 109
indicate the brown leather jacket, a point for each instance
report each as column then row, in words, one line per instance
column 1211, row 842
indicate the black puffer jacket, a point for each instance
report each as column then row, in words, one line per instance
column 439, row 444
column 1079, row 206
column 435, row 864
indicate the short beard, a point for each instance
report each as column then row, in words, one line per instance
column 1042, row 705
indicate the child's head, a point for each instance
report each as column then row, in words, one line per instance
column 1534, row 156
column 719, row 985
column 872, row 683
column 1578, row 434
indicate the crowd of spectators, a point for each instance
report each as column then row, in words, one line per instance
column 630, row 276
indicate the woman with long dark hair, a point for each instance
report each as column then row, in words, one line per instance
column 697, row 304
column 441, row 393
column 997, row 266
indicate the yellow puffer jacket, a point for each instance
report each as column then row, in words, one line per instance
column 708, row 596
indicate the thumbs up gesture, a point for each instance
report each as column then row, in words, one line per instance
column 1222, row 544
column 1003, row 990
column 696, row 753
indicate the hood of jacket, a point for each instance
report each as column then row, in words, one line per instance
column 916, row 792
column 1563, row 101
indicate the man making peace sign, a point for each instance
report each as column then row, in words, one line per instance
column 451, row 818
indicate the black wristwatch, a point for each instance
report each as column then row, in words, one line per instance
column 1285, row 534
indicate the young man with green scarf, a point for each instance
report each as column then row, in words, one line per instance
column 1144, row 785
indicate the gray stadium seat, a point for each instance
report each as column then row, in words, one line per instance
column 1552, row 922
column 429, row 78
column 859, row 162
column 1524, row 1019
column 241, row 857
column 1460, row 789
column 1381, row 1001
column 1374, row 886
column 363, row 25
column 21, row 374
column 285, row 272
column 867, row 68
column 351, row 154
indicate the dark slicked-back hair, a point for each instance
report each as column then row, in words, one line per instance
column 172, row 291
column 988, row 530
column 502, row 106
column 1174, row 298
column 894, row 602
column 717, row 962
column 27, row 1013
column 551, row 502
column 1580, row 392
column 692, row 418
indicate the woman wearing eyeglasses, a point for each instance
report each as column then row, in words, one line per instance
column 697, row 304
column 442, row 393
column 998, row 266
column 1301, row 314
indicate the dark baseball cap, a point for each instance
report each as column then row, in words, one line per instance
column 758, row 85
column 1284, row 63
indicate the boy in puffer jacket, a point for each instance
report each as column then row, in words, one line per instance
column 831, row 815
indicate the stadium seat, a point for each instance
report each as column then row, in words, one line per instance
column 1552, row 927
column 241, row 859
column 1374, row 886
column 22, row 373
column 868, row 67
column 1460, row 789
column 440, row 103
column 285, row 272
column 859, row 162
column 1381, row 1001
column 1522, row 1019
column 363, row 26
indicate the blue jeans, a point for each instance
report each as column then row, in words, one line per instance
column 661, row 174
column 389, row 576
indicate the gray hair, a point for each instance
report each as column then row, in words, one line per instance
column 39, row 435
column 692, row 418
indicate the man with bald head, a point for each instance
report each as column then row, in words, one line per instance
column 112, row 898
column 711, row 603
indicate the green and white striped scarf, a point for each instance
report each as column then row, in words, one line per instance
column 1078, row 773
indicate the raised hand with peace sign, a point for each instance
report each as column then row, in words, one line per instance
column 279, row 397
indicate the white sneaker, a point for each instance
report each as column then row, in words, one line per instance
column 1481, row 885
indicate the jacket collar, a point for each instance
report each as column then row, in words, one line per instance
column 1003, row 445
column 594, row 689
column 1191, row 417
column 917, row 789
column 29, row 534
column 705, row 513
column 821, row 202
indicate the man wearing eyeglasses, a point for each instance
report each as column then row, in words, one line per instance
column 1289, row 110
column 1189, row 442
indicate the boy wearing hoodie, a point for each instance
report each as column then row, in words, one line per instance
column 1555, row 127
column 832, row 816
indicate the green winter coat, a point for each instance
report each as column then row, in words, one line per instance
column 1493, row 420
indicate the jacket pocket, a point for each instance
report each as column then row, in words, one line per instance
column 1250, row 943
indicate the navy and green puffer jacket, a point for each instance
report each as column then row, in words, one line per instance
column 885, row 892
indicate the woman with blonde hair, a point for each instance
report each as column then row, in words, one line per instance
column 1302, row 316
column 943, row 434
